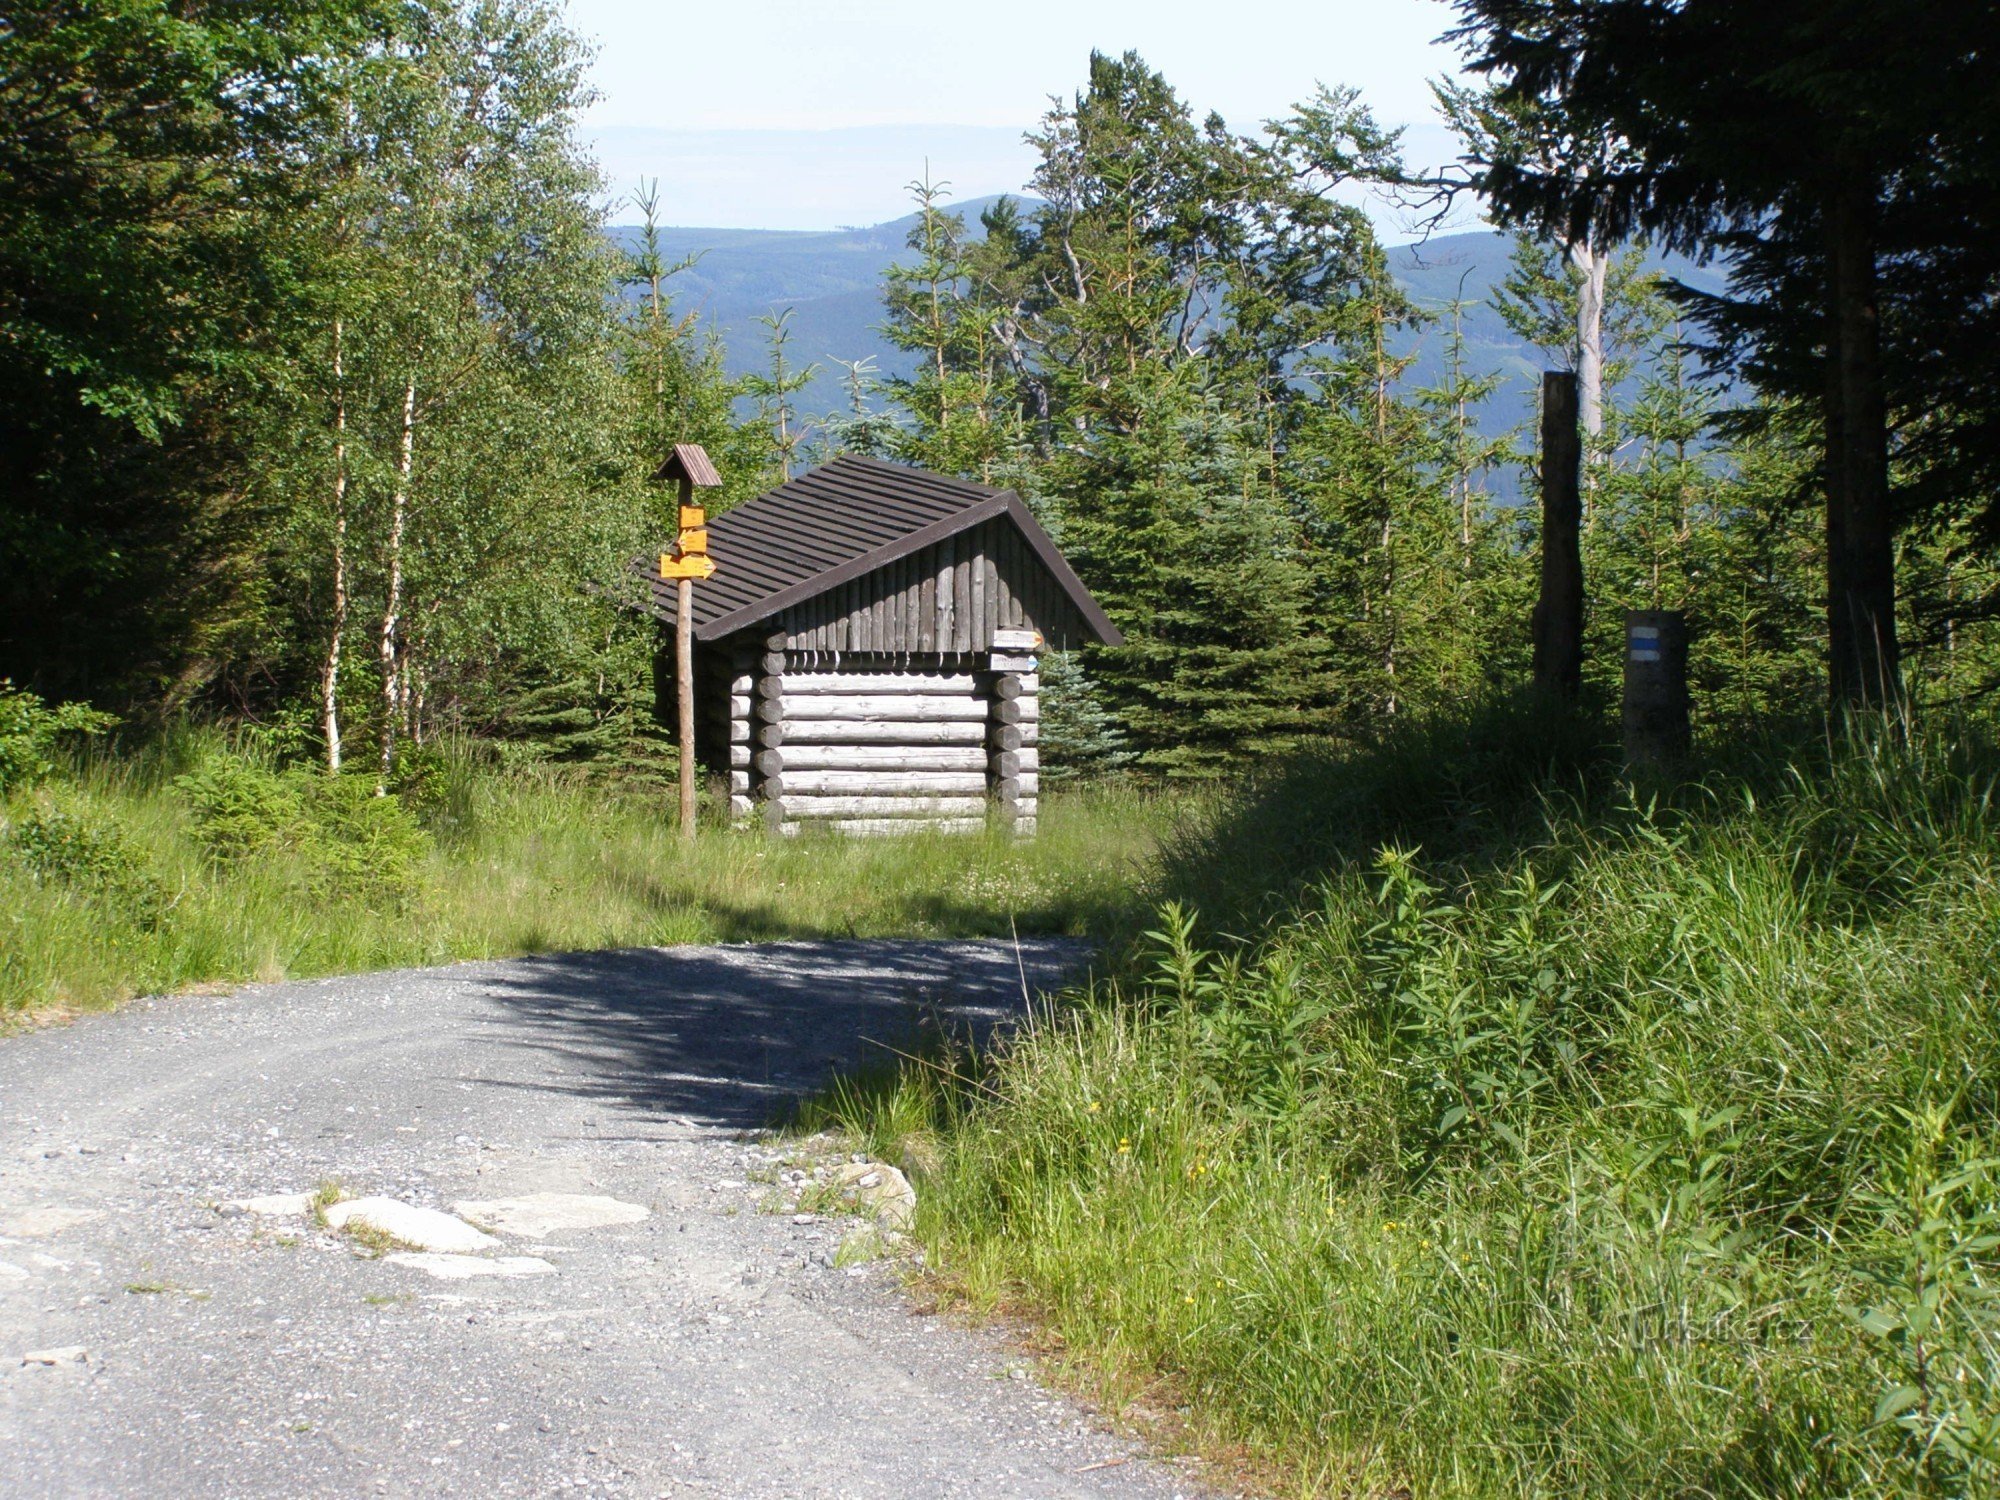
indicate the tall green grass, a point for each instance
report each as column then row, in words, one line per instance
column 1546, row 1138
column 195, row 862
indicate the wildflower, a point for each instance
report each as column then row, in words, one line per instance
column 1124, row 1145
column 1095, row 1106
column 1188, row 1298
column 1390, row 1227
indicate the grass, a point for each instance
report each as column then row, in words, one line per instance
column 1530, row 1137
column 194, row 865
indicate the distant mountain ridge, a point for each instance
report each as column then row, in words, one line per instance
column 832, row 281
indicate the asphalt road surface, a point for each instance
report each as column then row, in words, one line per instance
column 187, row 1347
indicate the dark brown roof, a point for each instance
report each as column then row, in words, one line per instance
column 690, row 461
column 838, row 522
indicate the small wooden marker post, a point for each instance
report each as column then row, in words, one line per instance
column 689, row 467
column 1656, row 687
column 1558, row 618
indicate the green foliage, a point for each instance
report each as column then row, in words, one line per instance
column 1545, row 1139
column 473, row 860
column 341, row 836
column 1078, row 736
column 30, row 731
column 66, row 849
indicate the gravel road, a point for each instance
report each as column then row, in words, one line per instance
column 191, row 1348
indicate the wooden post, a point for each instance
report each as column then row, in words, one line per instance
column 684, row 685
column 1558, row 617
column 1656, row 689
column 689, row 468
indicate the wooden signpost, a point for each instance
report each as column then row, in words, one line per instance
column 1558, row 617
column 689, row 467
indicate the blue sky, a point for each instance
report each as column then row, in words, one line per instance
column 776, row 114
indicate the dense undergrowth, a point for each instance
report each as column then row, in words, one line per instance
column 1537, row 1137
column 199, row 860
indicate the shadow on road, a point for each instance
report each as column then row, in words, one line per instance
column 729, row 1036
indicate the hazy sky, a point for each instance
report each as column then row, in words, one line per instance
column 777, row 114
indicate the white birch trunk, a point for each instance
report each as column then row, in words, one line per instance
column 329, row 677
column 1591, row 264
column 392, row 602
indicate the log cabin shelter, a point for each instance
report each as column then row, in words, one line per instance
column 866, row 654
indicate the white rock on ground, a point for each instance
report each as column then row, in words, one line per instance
column 423, row 1228
column 275, row 1205
column 881, row 1190
column 539, row 1215
column 463, row 1267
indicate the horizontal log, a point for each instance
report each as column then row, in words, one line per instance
column 1031, row 759
column 739, row 757
column 1006, row 687
column 1031, row 784
column 739, row 705
column 1004, row 737
column 887, row 783
column 880, row 682
column 770, row 736
column 769, row 762
column 901, row 708
column 770, row 685
column 739, row 782
column 884, row 758
column 771, row 661
column 740, row 806
column 768, row 710
column 852, row 807
column 1006, row 712
column 1024, row 828
column 1006, row 789
column 886, row 827
column 739, row 731
column 884, row 732
column 742, row 683
column 1004, row 763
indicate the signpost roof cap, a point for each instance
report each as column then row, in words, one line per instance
column 689, row 461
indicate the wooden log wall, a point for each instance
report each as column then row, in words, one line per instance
column 883, row 744
column 950, row 602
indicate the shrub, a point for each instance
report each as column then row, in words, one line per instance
column 66, row 849
column 241, row 808
column 336, row 835
column 362, row 845
column 30, row 730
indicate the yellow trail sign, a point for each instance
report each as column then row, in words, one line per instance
column 689, row 557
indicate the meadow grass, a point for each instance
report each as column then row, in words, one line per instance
column 145, row 893
column 1544, row 1138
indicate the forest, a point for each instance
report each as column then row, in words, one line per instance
column 1453, row 1112
column 331, row 410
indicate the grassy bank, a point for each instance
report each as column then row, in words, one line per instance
column 193, row 864
column 1534, row 1139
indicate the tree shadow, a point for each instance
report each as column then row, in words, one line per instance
column 734, row 1036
